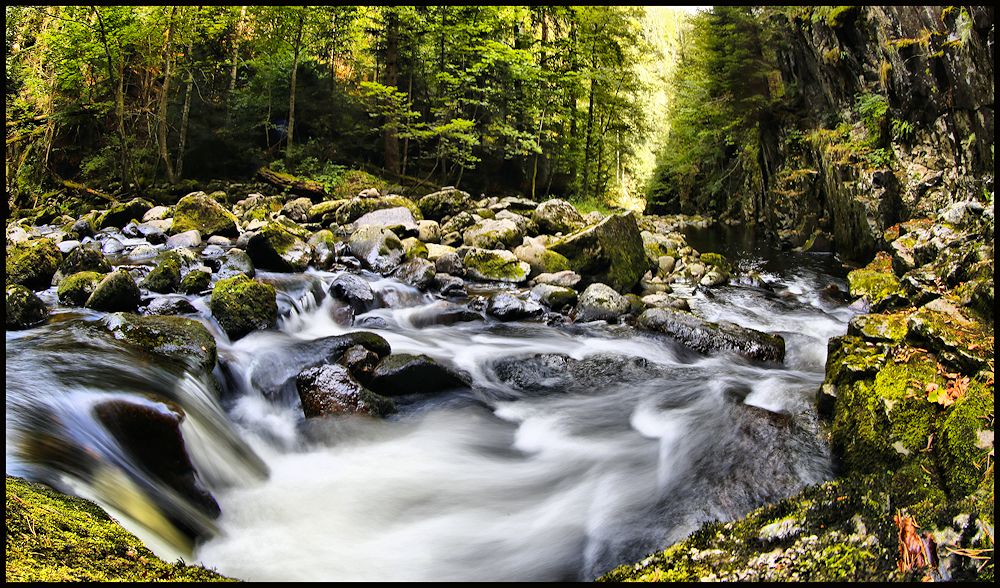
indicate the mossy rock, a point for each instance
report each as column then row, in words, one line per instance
column 540, row 259
column 884, row 327
column 52, row 537
column 116, row 292
column 717, row 260
column 609, row 252
column 353, row 181
column 23, row 309
column 414, row 248
column 324, row 211
column 181, row 339
column 276, row 247
column 966, row 437
column 495, row 265
column 355, row 208
column 84, row 259
column 242, row 305
column 166, row 276
column 380, row 250
column 122, row 213
column 961, row 341
column 33, row 263
column 557, row 216
column 493, row 234
column 876, row 281
column 75, row 289
column 199, row 212
column 444, row 203
column 195, row 282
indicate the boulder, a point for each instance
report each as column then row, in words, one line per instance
column 609, row 252
column 524, row 224
column 493, row 234
column 277, row 248
column 417, row 272
column 540, row 259
column 442, row 312
column 197, row 211
column 169, row 305
column 84, row 259
column 180, row 339
column 166, row 276
column 360, row 362
column 187, row 240
column 445, row 203
column 449, row 285
column 555, row 297
column 155, row 231
column 413, row 247
column 330, row 389
column 706, row 337
column 557, row 216
column 402, row 373
column 325, row 211
column 508, row 307
column 449, row 263
column 242, row 305
column 116, row 292
column 378, row 249
column 353, row 291
column 600, row 302
column 33, row 263
column 23, row 309
column 565, row 279
column 398, row 219
column 157, row 213
column 324, row 248
column 195, row 282
column 75, row 289
column 121, row 213
column 356, row 208
column 297, row 209
column 457, row 224
column 496, row 265
column 235, row 262
column 428, row 231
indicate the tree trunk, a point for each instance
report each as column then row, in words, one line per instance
column 406, row 141
column 588, row 140
column 161, row 116
column 295, row 74
column 390, row 77
column 119, row 81
column 235, row 59
column 188, row 86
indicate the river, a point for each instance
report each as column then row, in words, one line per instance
column 575, row 449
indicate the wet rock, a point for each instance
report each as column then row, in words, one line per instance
column 331, row 390
column 83, row 227
column 111, row 245
column 555, row 297
column 707, row 337
column 195, row 282
column 541, row 259
column 198, row 212
column 547, row 373
column 115, row 292
column 169, row 305
column 565, row 279
column 277, row 248
column 84, row 259
column 235, row 262
column 610, row 252
column 599, row 302
column 121, row 213
column 417, row 272
column 413, row 248
column 166, row 276
column 33, row 263
column 155, row 231
column 157, row 213
column 151, row 434
column 143, row 252
column 180, row 339
column 242, row 305
column 876, row 283
column 403, row 373
column 712, row 279
column 428, row 231
column 324, row 248
column 449, row 285
column 398, row 219
column 666, row 264
column 356, row 208
column 557, row 216
column 353, row 291
column 449, row 263
column 360, row 362
column 496, row 265
column 75, row 289
column 508, row 307
column 297, row 209
column 187, row 240
column 434, row 250
column 23, row 309
column 441, row 313
column 378, row 249
column 493, row 234
column 447, row 202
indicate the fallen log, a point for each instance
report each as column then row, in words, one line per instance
column 309, row 188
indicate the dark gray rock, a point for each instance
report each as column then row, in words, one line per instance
column 353, row 291
column 24, row 309
column 402, row 373
column 331, row 390
column 417, row 272
column 508, row 307
column 707, row 337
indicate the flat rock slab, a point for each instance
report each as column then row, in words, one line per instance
column 706, row 337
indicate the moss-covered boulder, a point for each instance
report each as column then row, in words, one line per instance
column 75, row 289
column 181, row 339
column 195, row 282
column 958, row 340
column 52, row 537
column 609, row 252
column 116, row 292
column 355, row 208
column 380, row 250
column 121, row 213
column 557, row 216
column 495, row 265
column 541, row 259
column 458, row 223
column 444, row 203
column 84, row 259
column 325, row 211
column 234, row 263
column 32, row 263
column 277, row 248
column 398, row 219
column 197, row 211
column 493, row 234
column 242, row 305
column 555, row 297
column 418, row 272
column 166, row 276
column 876, row 282
column 23, row 309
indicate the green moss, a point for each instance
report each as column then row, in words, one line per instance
column 195, row 281
column 82, row 259
column 33, row 263
column 414, row 248
column 116, row 292
column 201, row 213
column 325, row 210
column 122, row 213
column 876, row 282
column 487, row 264
column 963, row 454
column 52, row 537
column 888, row 327
column 166, row 276
column 75, row 289
column 23, row 309
column 242, row 305
column 352, row 182
column 716, row 260
column 841, row 15
column 178, row 338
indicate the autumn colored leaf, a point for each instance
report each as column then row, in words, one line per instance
column 912, row 551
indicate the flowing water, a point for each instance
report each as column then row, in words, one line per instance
column 575, row 449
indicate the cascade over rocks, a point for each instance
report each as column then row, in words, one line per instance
column 707, row 337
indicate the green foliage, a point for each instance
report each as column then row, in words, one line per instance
column 901, row 130
column 872, row 109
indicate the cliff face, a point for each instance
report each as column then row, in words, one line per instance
column 884, row 114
